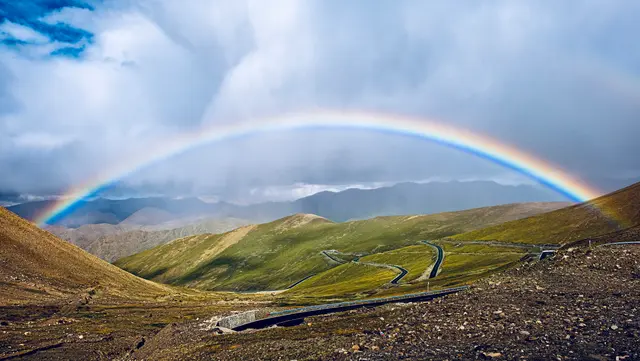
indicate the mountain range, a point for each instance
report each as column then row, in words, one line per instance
column 351, row 204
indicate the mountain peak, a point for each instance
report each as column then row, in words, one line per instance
column 300, row 219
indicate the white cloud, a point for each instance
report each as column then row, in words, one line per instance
column 39, row 141
column 20, row 32
column 519, row 71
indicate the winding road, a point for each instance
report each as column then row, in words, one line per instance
column 439, row 259
column 402, row 272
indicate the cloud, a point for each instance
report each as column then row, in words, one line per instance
column 20, row 34
column 83, row 86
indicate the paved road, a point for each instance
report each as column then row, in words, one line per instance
column 299, row 282
column 333, row 258
column 439, row 260
column 403, row 272
column 297, row 315
column 620, row 243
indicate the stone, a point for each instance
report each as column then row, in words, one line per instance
column 141, row 341
column 490, row 355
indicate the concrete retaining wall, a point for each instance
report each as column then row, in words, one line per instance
column 238, row 319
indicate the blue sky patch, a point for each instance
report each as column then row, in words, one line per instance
column 69, row 51
column 30, row 13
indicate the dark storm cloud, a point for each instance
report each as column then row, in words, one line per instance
column 560, row 80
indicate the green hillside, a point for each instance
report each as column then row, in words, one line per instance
column 274, row 255
column 620, row 209
column 464, row 263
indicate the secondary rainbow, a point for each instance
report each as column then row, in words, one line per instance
column 484, row 147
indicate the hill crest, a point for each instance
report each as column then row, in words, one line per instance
column 580, row 221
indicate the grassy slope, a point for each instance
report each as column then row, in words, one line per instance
column 351, row 279
column 37, row 266
column 415, row 259
column 344, row 280
column 276, row 254
column 463, row 264
column 568, row 224
column 466, row 259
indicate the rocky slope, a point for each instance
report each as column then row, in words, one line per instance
column 36, row 266
column 86, row 234
column 111, row 242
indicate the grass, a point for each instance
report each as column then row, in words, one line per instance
column 356, row 279
column 463, row 264
column 606, row 214
column 274, row 255
column 463, row 260
column 415, row 259
column 347, row 280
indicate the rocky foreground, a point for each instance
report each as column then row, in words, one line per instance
column 581, row 305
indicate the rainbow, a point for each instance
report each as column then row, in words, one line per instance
column 484, row 147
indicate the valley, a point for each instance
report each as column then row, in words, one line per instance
column 168, row 302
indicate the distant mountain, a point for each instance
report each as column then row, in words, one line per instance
column 86, row 234
column 601, row 216
column 36, row 266
column 111, row 242
column 114, row 211
column 400, row 199
column 148, row 216
column 414, row 198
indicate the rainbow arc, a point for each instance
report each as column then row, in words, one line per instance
column 463, row 140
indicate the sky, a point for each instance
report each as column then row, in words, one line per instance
column 83, row 84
